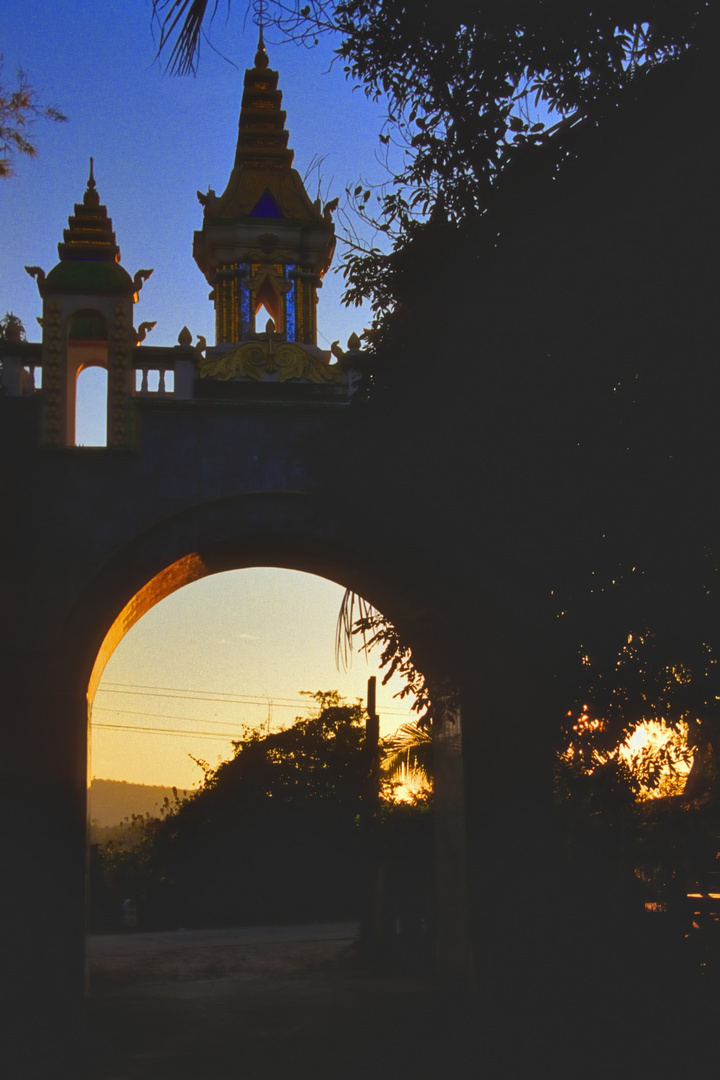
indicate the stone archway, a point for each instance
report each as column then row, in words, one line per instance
column 454, row 956
column 286, row 530
column 86, row 535
column 211, row 485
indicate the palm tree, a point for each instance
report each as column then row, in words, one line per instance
column 409, row 754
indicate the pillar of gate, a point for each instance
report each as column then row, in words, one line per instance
column 42, row 838
column 454, row 956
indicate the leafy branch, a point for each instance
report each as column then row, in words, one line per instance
column 359, row 618
column 19, row 109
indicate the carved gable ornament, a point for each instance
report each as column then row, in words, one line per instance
column 270, row 358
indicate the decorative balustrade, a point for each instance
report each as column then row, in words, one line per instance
column 182, row 372
column 164, row 371
column 154, row 378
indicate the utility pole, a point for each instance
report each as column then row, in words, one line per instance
column 372, row 747
column 372, row 931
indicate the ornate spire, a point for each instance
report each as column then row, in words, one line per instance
column 89, row 254
column 261, row 58
column 259, row 11
column 263, row 183
column 264, row 246
column 91, row 197
column 262, row 138
column 90, row 234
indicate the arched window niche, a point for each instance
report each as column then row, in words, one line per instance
column 91, row 406
column 87, row 386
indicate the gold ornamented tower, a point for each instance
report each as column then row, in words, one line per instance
column 264, row 245
column 87, row 321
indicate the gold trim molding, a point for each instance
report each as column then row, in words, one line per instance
column 256, row 359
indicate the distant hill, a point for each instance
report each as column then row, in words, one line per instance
column 111, row 801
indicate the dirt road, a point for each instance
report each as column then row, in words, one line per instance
column 275, row 1003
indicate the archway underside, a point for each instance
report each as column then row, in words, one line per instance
column 186, row 570
column 284, row 530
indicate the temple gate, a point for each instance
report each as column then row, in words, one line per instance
column 207, row 468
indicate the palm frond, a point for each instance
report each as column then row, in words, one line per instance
column 408, row 750
column 353, row 609
column 187, row 18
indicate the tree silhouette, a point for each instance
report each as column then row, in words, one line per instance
column 11, row 328
column 464, row 83
column 19, row 109
column 536, row 425
column 271, row 834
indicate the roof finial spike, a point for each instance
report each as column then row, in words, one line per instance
column 260, row 8
column 91, row 197
column 261, row 59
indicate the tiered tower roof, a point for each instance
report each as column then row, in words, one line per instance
column 90, row 234
column 263, row 243
column 263, row 183
column 262, row 138
column 89, row 254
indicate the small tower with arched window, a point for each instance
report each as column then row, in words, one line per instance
column 87, row 321
column 264, row 246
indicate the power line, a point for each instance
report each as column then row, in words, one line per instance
column 218, row 697
column 187, row 690
column 169, row 731
column 236, row 699
column 159, row 716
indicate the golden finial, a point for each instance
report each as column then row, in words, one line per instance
column 91, row 197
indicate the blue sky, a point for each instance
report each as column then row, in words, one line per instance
column 156, row 140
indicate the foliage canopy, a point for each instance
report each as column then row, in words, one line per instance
column 571, row 313
column 316, row 763
column 11, row 328
column 283, row 830
column 464, row 82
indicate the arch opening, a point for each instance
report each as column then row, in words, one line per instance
column 91, row 406
column 262, row 316
column 87, row 378
column 290, row 533
column 206, row 670
column 253, row 639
